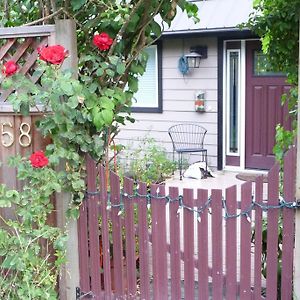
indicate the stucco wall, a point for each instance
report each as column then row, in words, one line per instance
column 178, row 99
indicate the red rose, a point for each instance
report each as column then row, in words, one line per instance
column 53, row 54
column 38, row 159
column 103, row 41
column 9, row 68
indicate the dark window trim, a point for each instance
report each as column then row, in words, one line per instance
column 159, row 108
column 220, row 103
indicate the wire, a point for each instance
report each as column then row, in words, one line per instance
column 150, row 197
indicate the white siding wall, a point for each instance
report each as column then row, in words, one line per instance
column 178, row 99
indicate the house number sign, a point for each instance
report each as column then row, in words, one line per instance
column 8, row 137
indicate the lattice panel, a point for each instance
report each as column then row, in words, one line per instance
column 24, row 52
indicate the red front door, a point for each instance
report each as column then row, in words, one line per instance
column 263, row 108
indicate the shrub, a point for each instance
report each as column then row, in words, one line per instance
column 149, row 162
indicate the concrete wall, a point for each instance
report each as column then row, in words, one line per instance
column 178, row 99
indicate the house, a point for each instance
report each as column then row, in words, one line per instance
column 242, row 94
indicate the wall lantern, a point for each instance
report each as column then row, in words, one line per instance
column 196, row 54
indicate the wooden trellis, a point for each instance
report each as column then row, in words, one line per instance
column 19, row 135
column 22, row 47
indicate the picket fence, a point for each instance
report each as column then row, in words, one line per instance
column 148, row 243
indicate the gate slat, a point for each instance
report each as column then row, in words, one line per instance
column 217, row 244
column 93, row 227
column 231, row 244
column 288, row 225
column 159, row 245
column 117, row 236
column 258, row 238
column 105, row 234
column 130, row 240
column 188, row 227
column 83, row 247
column 272, row 234
column 245, row 270
column 175, row 245
column 143, row 243
column 202, row 197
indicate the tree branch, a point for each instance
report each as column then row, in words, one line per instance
column 45, row 18
column 6, row 9
column 53, row 7
column 123, row 28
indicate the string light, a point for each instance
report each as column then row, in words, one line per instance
column 282, row 203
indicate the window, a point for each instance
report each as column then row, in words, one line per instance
column 149, row 96
column 233, row 92
column 262, row 66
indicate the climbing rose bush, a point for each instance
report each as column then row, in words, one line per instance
column 38, row 159
column 55, row 54
column 9, row 68
column 103, row 41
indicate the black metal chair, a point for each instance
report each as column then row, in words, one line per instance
column 188, row 138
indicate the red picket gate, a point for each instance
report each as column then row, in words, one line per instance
column 143, row 243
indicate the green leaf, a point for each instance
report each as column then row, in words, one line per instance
column 77, row 4
column 5, row 203
column 114, row 60
column 73, row 102
column 7, row 83
column 110, row 72
column 98, row 144
column 37, row 73
column 137, row 68
column 97, row 118
column 66, row 88
column 107, row 103
column 99, row 72
column 107, row 116
column 78, row 184
column 9, row 262
column 93, row 87
column 77, row 86
column 24, row 109
column 133, row 84
column 156, row 29
column 73, row 213
column 121, row 68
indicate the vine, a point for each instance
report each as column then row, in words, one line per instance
column 82, row 116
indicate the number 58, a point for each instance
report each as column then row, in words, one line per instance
column 8, row 138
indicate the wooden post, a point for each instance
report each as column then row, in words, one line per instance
column 297, row 225
column 65, row 35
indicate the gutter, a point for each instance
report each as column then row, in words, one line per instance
column 217, row 32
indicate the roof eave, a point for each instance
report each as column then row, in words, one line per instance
column 217, row 32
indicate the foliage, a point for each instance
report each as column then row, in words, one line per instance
column 109, row 76
column 27, row 272
column 277, row 23
column 84, row 119
column 149, row 162
column 284, row 139
column 68, row 127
